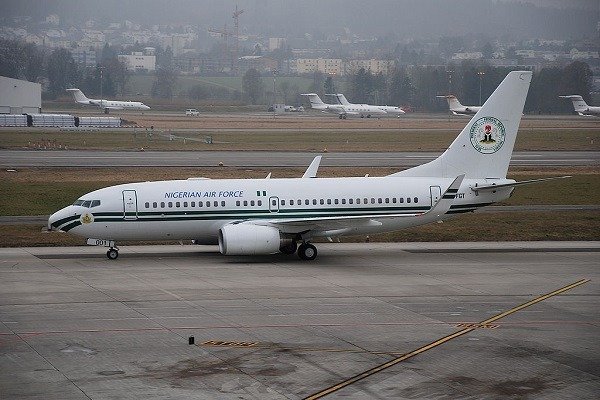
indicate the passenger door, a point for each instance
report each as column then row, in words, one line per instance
column 129, row 205
column 436, row 193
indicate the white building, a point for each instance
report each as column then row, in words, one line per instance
column 276, row 43
column 18, row 97
column 137, row 61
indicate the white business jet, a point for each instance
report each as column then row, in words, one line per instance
column 390, row 110
column 342, row 110
column 266, row 216
column 107, row 105
column 458, row 109
column 581, row 106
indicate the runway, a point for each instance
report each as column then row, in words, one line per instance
column 76, row 325
column 250, row 159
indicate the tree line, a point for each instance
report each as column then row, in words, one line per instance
column 413, row 86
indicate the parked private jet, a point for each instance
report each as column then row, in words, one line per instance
column 390, row 110
column 107, row 104
column 343, row 110
column 266, row 216
column 581, row 106
column 458, row 109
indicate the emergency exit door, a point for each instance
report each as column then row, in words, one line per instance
column 436, row 193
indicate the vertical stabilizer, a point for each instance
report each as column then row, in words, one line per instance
column 484, row 147
column 578, row 103
column 314, row 99
column 79, row 96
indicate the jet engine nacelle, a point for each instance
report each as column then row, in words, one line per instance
column 248, row 239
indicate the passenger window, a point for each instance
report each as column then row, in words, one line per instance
column 199, row 204
column 394, row 200
column 372, row 200
column 222, row 203
column 336, row 201
column 252, row 202
column 387, row 200
column 216, row 203
column 259, row 202
column 282, row 203
column 154, row 205
column 177, row 204
column 416, row 199
column 162, row 204
column 350, row 201
column 322, row 201
column 208, row 204
column 291, row 202
column 170, row 204
column 314, row 202
column 344, row 201
column 147, row 205
column 86, row 203
column 245, row 203
column 306, row 202
column 379, row 200
column 237, row 203
column 193, row 204
column 328, row 201
column 366, row 201
column 408, row 199
column 185, row 204
column 95, row 203
column 401, row 199
column 299, row 202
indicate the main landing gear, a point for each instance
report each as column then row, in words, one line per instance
column 112, row 253
column 307, row 251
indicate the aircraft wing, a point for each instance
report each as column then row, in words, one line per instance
column 332, row 225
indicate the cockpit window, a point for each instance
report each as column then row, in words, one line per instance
column 78, row 202
column 95, row 203
column 86, row 203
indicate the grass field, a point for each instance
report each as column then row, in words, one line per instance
column 292, row 140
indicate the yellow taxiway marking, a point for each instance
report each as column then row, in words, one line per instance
column 440, row 341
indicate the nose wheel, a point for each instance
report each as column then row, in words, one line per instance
column 112, row 254
column 307, row 252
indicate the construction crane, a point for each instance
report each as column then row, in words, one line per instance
column 236, row 21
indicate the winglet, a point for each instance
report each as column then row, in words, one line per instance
column 443, row 204
column 311, row 171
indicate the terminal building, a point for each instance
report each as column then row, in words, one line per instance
column 20, row 97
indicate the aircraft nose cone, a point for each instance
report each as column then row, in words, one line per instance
column 58, row 218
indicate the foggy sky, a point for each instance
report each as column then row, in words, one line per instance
column 510, row 19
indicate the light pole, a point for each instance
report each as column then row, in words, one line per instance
column 449, row 72
column 480, row 74
column 274, row 94
column 101, row 100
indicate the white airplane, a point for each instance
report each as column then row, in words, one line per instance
column 107, row 104
column 342, row 110
column 581, row 106
column 392, row 110
column 458, row 109
column 267, row 216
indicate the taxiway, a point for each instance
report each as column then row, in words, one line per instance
column 75, row 325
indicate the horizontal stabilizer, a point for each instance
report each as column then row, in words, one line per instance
column 494, row 187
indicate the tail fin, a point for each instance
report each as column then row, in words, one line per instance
column 342, row 99
column 578, row 103
column 484, row 147
column 453, row 102
column 314, row 99
column 79, row 96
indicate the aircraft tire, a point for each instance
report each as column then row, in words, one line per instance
column 112, row 254
column 307, row 252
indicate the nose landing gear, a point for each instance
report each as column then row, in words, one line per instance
column 112, row 253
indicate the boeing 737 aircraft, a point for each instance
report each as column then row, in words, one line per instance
column 107, row 104
column 581, row 106
column 266, row 216
column 390, row 110
column 342, row 110
column 458, row 109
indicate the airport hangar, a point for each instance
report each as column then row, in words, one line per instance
column 19, row 96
